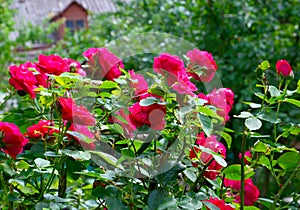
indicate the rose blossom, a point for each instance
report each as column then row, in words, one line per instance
column 138, row 83
column 251, row 191
column 283, row 68
column 40, row 130
column 75, row 67
column 172, row 67
column 52, row 64
column 12, row 140
column 73, row 113
column 152, row 115
column 219, row 203
column 103, row 63
column 23, row 79
column 211, row 142
column 202, row 66
column 222, row 99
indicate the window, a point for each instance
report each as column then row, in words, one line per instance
column 74, row 25
column 70, row 25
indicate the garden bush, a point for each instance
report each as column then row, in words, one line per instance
column 97, row 135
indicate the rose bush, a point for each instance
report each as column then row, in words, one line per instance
column 97, row 136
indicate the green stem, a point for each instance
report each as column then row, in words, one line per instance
column 276, row 198
column 6, row 99
column 242, row 193
column 200, row 176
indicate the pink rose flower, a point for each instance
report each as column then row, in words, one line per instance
column 172, row 68
column 202, row 66
column 103, row 63
column 251, row 191
column 152, row 115
column 75, row 67
column 222, row 99
column 283, row 68
column 219, row 203
column 73, row 113
column 138, row 83
column 52, row 64
column 12, row 140
column 23, row 79
column 40, row 130
column 211, row 142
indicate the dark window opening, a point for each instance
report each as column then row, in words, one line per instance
column 74, row 25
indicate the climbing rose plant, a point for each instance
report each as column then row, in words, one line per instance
column 95, row 135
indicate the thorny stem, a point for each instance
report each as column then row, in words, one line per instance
column 242, row 193
column 276, row 198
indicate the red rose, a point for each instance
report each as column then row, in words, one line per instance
column 138, row 83
column 52, row 64
column 283, row 68
column 251, row 191
column 202, row 66
column 211, row 142
column 22, row 79
column 12, row 141
column 73, row 113
column 152, row 115
column 84, row 131
column 82, row 116
column 104, row 64
column 172, row 67
column 219, row 203
column 40, row 130
column 170, row 63
column 222, row 99
column 75, row 67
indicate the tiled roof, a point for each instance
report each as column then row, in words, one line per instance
column 36, row 11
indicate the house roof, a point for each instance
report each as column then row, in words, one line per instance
column 36, row 11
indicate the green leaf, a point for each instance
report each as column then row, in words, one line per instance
column 41, row 163
column 289, row 160
column 118, row 128
column 243, row 115
column 220, row 160
column 227, row 138
column 251, row 208
column 206, row 124
column 264, row 161
column 169, row 204
column 80, row 136
column 108, row 158
column 293, row 101
column 274, row 92
column 253, row 105
column 108, row 85
column 149, row 101
column 4, row 167
column 233, row 172
column 22, row 165
column 209, row 112
column 269, row 118
column 77, row 155
column 156, row 198
column 191, row 173
column 253, row 123
column 260, row 147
